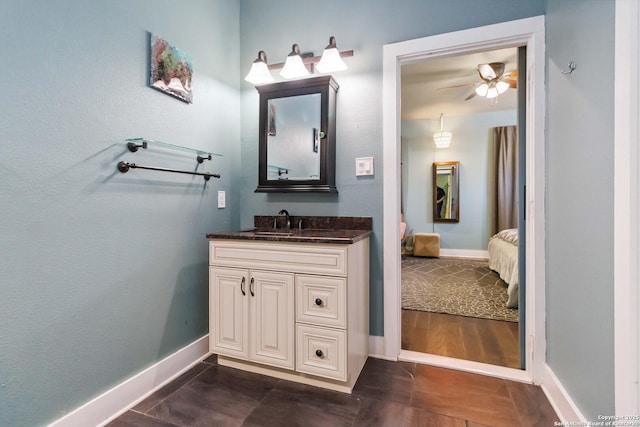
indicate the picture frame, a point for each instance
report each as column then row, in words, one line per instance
column 171, row 70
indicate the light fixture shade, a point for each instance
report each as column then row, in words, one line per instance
column 331, row 60
column 502, row 86
column 482, row 89
column 259, row 72
column 492, row 92
column 294, row 67
column 442, row 139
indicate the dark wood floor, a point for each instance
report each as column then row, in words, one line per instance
column 468, row 338
column 386, row 394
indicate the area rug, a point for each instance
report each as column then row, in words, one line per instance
column 455, row 286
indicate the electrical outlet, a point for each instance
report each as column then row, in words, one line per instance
column 222, row 202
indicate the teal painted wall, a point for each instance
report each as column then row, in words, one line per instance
column 580, row 172
column 471, row 146
column 364, row 26
column 103, row 274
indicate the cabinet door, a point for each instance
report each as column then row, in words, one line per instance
column 229, row 311
column 272, row 318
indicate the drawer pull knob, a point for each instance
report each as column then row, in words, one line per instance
column 318, row 301
column 319, row 353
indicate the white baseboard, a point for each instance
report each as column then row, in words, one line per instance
column 464, row 253
column 376, row 348
column 560, row 400
column 114, row 402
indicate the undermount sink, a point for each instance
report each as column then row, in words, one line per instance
column 273, row 232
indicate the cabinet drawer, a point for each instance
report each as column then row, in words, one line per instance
column 295, row 258
column 321, row 300
column 321, row 352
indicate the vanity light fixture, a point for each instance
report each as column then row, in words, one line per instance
column 294, row 67
column 331, row 60
column 299, row 65
column 259, row 72
column 442, row 139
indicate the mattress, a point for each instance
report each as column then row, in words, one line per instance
column 503, row 259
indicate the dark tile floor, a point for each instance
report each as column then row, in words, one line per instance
column 386, row 394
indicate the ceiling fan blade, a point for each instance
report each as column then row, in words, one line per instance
column 511, row 74
column 513, row 84
column 455, row 86
column 472, row 95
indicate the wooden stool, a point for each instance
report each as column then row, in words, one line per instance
column 426, row 244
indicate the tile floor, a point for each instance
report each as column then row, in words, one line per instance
column 386, row 394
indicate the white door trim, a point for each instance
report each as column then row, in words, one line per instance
column 525, row 32
column 627, row 208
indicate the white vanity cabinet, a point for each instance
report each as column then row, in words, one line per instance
column 253, row 315
column 297, row 311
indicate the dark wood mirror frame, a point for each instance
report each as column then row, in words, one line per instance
column 327, row 88
column 448, row 210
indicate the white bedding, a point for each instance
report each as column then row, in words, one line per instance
column 503, row 258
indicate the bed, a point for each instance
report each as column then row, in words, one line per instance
column 503, row 259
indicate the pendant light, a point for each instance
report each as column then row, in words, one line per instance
column 442, row 139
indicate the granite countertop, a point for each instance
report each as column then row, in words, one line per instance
column 337, row 230
column 301, row 236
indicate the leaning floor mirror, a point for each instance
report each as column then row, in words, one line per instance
column 446, row 199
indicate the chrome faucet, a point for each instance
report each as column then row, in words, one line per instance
column 284, row 212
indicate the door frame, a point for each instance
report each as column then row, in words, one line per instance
column 527, row 32
column 627, row 208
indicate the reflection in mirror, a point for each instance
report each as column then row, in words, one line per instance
column 293, row 138
column 446, row 203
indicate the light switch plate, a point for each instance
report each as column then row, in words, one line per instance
column 364, row 166
column 222, row 202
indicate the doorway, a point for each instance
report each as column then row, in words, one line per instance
column 530, row 33
column 455, row 305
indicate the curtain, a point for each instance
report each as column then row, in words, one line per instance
column 505, row 145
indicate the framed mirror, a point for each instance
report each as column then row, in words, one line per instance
column 446, row 199
column 297, row 136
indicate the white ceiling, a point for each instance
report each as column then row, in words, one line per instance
column 423, row 96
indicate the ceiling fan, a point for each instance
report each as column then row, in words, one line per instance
column 494, row 81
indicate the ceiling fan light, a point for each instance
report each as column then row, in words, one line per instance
column 492, row 92
column 502, row 86
column 482, row 89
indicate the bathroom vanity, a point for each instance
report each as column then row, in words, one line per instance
column 292, row 303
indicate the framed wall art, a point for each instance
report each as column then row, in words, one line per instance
column 171, row 70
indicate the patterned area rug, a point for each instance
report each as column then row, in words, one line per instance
column 455, row 286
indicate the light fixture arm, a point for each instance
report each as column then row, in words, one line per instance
column 295, row 50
